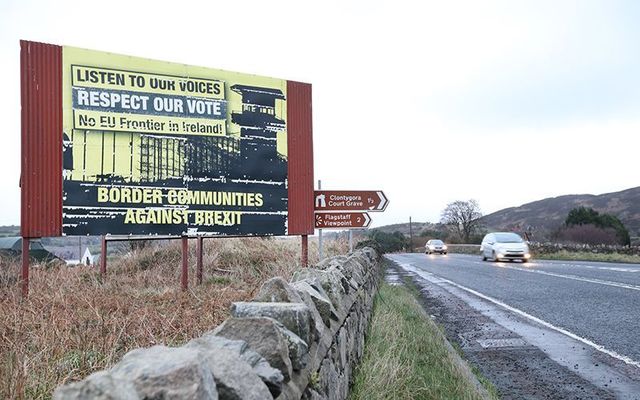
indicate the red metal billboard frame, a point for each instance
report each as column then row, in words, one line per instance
column 41, row 139
column 41, row 149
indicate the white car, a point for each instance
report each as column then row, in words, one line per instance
column 504, row 246
column 435, row 246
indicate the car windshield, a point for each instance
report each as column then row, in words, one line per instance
column 507, row 238
column 437, row 242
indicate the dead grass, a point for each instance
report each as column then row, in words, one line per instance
column 74, row 324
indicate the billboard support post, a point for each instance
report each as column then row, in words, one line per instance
column 25, row 267
column 185, row 263
column 199, row 250
column 305, row 251
column 103, row 259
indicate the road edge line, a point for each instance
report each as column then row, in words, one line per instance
column 602, row 349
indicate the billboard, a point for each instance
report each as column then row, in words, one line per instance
column 153, row 147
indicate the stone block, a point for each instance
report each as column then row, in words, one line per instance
column 331, row 261
column 277, row 290
column 271, row 377
column 298, row 349
column 330, row 283
column 264, row 336
column 161, row 372
column 296, row 317
column 235, row 380
column 320, row 300
column 98, row 386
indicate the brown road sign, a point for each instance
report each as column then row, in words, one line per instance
column 333, row 220
column 350, row 200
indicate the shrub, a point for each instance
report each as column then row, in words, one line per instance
column 584, row 216
column 385, row 242
column 587, row 234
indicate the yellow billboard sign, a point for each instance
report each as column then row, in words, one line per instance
column 153, row 147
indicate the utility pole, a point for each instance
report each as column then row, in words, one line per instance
column 410, row 237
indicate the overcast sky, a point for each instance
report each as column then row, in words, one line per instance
column 505, row 102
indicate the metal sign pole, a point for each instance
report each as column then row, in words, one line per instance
column 319, row 230
column 350, row 241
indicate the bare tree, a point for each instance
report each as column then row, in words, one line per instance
column 463, row 217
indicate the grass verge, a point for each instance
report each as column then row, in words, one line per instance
column 588, row 256
column 406, row 356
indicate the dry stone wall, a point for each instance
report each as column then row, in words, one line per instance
column 296, row 340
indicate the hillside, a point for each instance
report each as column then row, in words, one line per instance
column 404, row 227
column 548, row 214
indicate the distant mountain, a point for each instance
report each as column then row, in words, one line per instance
column 544, row 216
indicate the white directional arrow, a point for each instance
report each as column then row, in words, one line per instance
column 367, row 220
column 383, row 201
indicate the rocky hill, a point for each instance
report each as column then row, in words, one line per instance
column 546, row 215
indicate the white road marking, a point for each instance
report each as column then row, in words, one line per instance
column 432, row 278
column 566, row 276
column 617, row 269
column 603, row 268
column 574, row 277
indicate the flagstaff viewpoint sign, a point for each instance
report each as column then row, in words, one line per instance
column 152, row 147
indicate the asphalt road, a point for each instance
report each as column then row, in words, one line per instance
column 586, row 302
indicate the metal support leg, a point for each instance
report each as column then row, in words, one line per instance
column 25, row 267
column 103, row 259
column 185, row 263
column 305, row 250
column 199, row 259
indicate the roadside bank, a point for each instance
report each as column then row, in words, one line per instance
column 407, row 356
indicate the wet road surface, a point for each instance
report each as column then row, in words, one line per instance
column 566, row 329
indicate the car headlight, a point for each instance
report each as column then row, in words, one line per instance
column 444, row 247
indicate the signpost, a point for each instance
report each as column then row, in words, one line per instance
column 342, row 220
column 346, row 209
